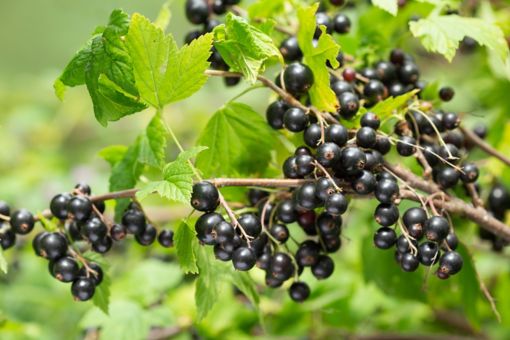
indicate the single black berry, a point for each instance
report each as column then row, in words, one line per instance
column 83, row 288
column 414, row 220
column 280, row 232
column 286, row 211
column 446, row 93
column 7, row 239
column 251, row 224
column 83, row 188
column 323, row 268
column 205, row 196
column 385, row 238
column 305, row 196
column 336, row 133
column 80, row 208
column 406, row 146
column 290, row 50
column 94, row 229
column 429, row 253
column 298, row 78
column 352, row 160
column 387, row 191
column 409, row 262
column 341, row 86
column 452, row 241
column 275, row 112
column 349, row 105
column 341, row 24
column 58, row 205
column 52, row 246
column 96, row 276
column 308, row 253
column 371, row 120
column 118, row 232
column 447, row 177
column 299, row 291
column 366, row 137
column 148, row 236
column 336, row 204
column 134, row 221
column 166, row 238
column 5, row 209
column 204, row 227
column 451, row 120
column 197, row 11
column 329, row 225
column 374, row 91
column 295, row 119
column 305, row 165
column 22, row 221
column 470, row 173
column 364, row 183
column 409, row 73
column 244, row 258
column 386, row 214
column 65, row 269
column 436, row 228
column 450, row 263
column 102, row 246
column 281, row 266
column 37, row 244
column 328, row 154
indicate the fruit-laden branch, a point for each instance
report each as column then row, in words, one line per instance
column 475, row 140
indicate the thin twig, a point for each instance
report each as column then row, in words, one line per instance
column 474, row 139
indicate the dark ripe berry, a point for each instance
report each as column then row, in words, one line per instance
column 446, row 93
column 217, row 62
column 192, row 35
column 386, row 71
column 298, row 79
column 323, row 268
column 452, row 241
column 450, row 263
column 65, row 269
column 219, row 7
column 83, row 288
column 280, row 232
column 79, row 208
column 322, row 18
column 329, row 225
column 205, row 196
column 306, row 221
column 308, row 253
column 232, row 2
column 349, row 105
column 271, row 281
column 331, row 243
column 58, row 205
column 244, row 258
column 231, row 81
column 304, row 164
column 387, row 191
column 353, row 160
column 222, row 253
column 94, row 229
column 22, row 221
column 436, row 228
column 286, row 211
column 100, row 206
column 403, row 244
column 312, row 135
column 224, row 232
column 302, row 150
column 295, row 119
column 275, row 112
column 369, row 73
column 118, row 232
column 364, row 183
column 83, row 188
column 374, row 91
column 268, row 207
column 148, row 236
column 385, row 238
column 328, row 154
column 451, row 120
column 289, row 48
column 336, row 204
column 374, row 160
column 337, row 2
column 251, row 224
column 406, row 146
column 409, row 73
column 409, row 262
column 290, row 168
column 349, row 74
column 281, row 266
column 258, row 245
column 371, row 120
column 447, row 177
column 37, row 244
column 197, row 11
column 96, row 277
column 4, row 209
column 396, row 89
column 263, row 261
column 480, row 130
column 397, row 56
column 341, row 24
column 454, row 137
column 166, row 238
column 299, row 291
column 209, row 27
column 431, row 154
column 428, row 253
column 7, row 239
column 104, row 245
column 385, row 175
column 414, row 220
column 382, row 145
column 134, row 221
column 470, row 173
column 336, row 133
column 386, row 214
column 341, row 86
column 366, row 137
column 450, row 152
column 324, row 188
column 305, row 196
column 499, row 199
column 73, row 230
column 205, row 225
column 52, row 246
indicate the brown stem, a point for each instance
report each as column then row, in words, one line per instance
column 475, row 198
column 475, row 140
column 233, row 218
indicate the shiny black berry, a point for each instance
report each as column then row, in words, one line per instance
column 275, row 112
column 290, row 50
column 447, row 177
column 79, row 208
column 118, row 232
column 205, row 196
column 371, row 120
column 470, row 173
column 96, row 276
column 336, row 133
column 349, row 105
column 328, row 154
column 166, row 238
column 446, row 93
column 22, row 221
column 148, row 236
column 65, row 269
column 197, row 11
column 451, row 120
column 134, row 221
column 286, row 212
column 409, row 262
column 386, row 214
column 312, row 135
column 83, row 188
column 281, row 266
column 298, row 78
column 336, row 204
column 364, row 183
column 37, row 244
column 7, row 239
column 352, row 160
column 450, row 263
column 385, row 238
column 299, row 291
column 341, row 24
column 366, row 137
column 204, row 227
column 83, row 288
column 406, row 146
column 429, row 253
column 414, row 220
column 58, row 205
column 308, row 253
column 251, row 224
column 295, row 119
column 94, row 229
column 52, row 246
column 323, row 268
column 387, row 191
column 244, row 258
column 409, row 73
column 280, row 232
column 436, row 228
column 103, row 245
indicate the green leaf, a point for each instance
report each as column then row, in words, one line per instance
column 184, row 240
column 245, row 284
column 153, row 143
column 442, row 34
column 239, row 142
column 113, row 153
column 3, row 262
column 163, row 73
column 48, row 224
column 390, row 6
column 164, row 16
column 208, row 284
column 244, row 47
column 101, row 297
column 392, row 105
column 321, row 94
column 264, row 9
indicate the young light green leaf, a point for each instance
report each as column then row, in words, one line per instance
column 184, row 240
column 239, row 142
column 264, row 9
column 208, row 284
column 153, row 143
column 390, row 105
column 321, row 94
column 164, row 16
column 244, row 47
column 113, row 153
column 47, row 224
column 244, row 282
column 443, row 33
column 3, row 262
column 390, row 6
column 101, row 298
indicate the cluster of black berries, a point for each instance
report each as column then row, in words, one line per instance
column 498, row 204
column 204, row 12
column 21, row 222
column 81, row 224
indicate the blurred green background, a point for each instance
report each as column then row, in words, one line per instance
column 46, row 146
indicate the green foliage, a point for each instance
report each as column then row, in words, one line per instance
column 392, row 106
column 322, row 96
column 265, row 8
column 3, row 262
column 153, row 143
column 101, row 298
column 184, row 240
column 244, row 48
column 390, row 6
column 238, row 125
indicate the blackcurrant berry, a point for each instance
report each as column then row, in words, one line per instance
column 406, row 146
column 341, row 24
column 436, row 228
column 341, row 86
column 52, row 246
column 450, row 263
column 7, row 239
column 428, row 253
column 312, row 135
column 5, row 209
column 451, row 120
column 148, row 236
column 204, row 227
column 336, row 133
column 22, row 221
column 94, row 229
column 244, row 258
column 328, row 154
column 352, row 160
column 58, row 205
column 290, row 50
column 336, row 204
column 219, row 7
column 409, row 73
column 280, row 232
column 295, row 119
column 447, row 177
column 118, row 232
column 308, row 253
column 298, row 79
column 197, row 11
column 470, row 173
column 290, row 168
column 446, row 93
column 385, row 238
column 299, row 291
column 452, row 241
column 331, row 243
column 83, row 188
column 366, row 137
column 414, row 220
column 83, row 288
column 281, row 266
column 79, row 208
column 329, row 225
column 286, row 211
column 364, row 183
column 499, row 199
column 397, row 56
column 222, row 252
column 134, row 221
column 275, row 112
column 65, row 269
column 480, row 130
column 386, row 71
column 403, row 244
column 322, row 18
column 349, row 74
column 97, row 276
column 166, row 238
column 382, row 145
column 323, row 268
column 374, row 91
column 251, row 224
column 386, row 214
column 409, row 262
column 349, row 105
column 205, row 196
column 37, row 244
column 102, row 246
column 387, row 191
column 305, row 196
column 304, row 164
column 371, row 120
